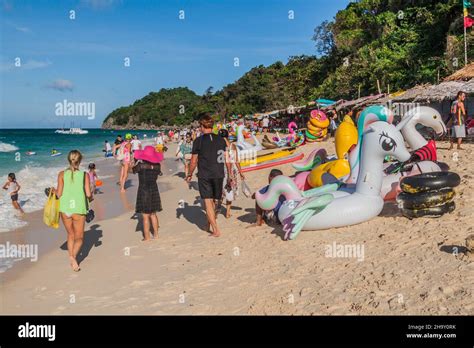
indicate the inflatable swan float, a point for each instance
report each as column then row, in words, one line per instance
column 242, row 145
column 427, row 117
column 326, row 207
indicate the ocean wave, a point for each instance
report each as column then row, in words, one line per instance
column 4, row 147
column 33, row 181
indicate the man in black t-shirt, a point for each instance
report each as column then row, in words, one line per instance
column 209, row 154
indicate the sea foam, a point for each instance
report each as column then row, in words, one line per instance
column 33, row 181
column 4, row 147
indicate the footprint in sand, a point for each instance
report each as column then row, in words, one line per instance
column 139, row 283
column 156, row 304
column 59, row 310
column 136, row 257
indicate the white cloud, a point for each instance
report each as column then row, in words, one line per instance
column 61, row 85
column 23, row 29
column 28, row 65
column 100, row 4
column 17, row 27
column 35, row 64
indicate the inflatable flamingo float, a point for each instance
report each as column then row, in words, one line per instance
column 328, row 207
column 295, row 139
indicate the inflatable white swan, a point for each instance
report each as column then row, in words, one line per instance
column 328, row 209
column 426, row 116
column 242, row 145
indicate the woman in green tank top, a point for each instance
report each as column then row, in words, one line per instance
column 73, row 191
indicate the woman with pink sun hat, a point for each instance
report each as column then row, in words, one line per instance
column 148, row 202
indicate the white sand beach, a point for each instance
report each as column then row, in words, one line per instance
column 408, row 267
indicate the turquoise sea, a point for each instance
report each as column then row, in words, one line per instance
column 14, row 143
column 35, row 173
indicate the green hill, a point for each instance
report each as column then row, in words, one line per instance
column 401, row 43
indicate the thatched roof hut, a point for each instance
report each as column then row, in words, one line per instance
column 464, row 74
column 437, row 93
column 461, row 80
column 356, row 103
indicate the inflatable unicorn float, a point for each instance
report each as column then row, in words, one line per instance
column 424, row 115
column 348, row 144
column 326, row 206
column 338, row 204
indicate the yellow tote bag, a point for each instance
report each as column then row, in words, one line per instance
column 51, row 211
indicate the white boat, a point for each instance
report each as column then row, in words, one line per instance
column 75, row 131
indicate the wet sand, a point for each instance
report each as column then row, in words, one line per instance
column 409, row 266
column 109, row 202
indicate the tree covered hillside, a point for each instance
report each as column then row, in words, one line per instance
column 401, row 43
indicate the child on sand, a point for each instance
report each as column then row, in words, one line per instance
column 185, row 149
column 265, row 217
column 123, row 153
column 92, row 177
column 12, row 186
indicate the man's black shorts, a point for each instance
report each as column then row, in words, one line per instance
column 210, row 188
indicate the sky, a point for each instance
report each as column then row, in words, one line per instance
column 109, row 53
